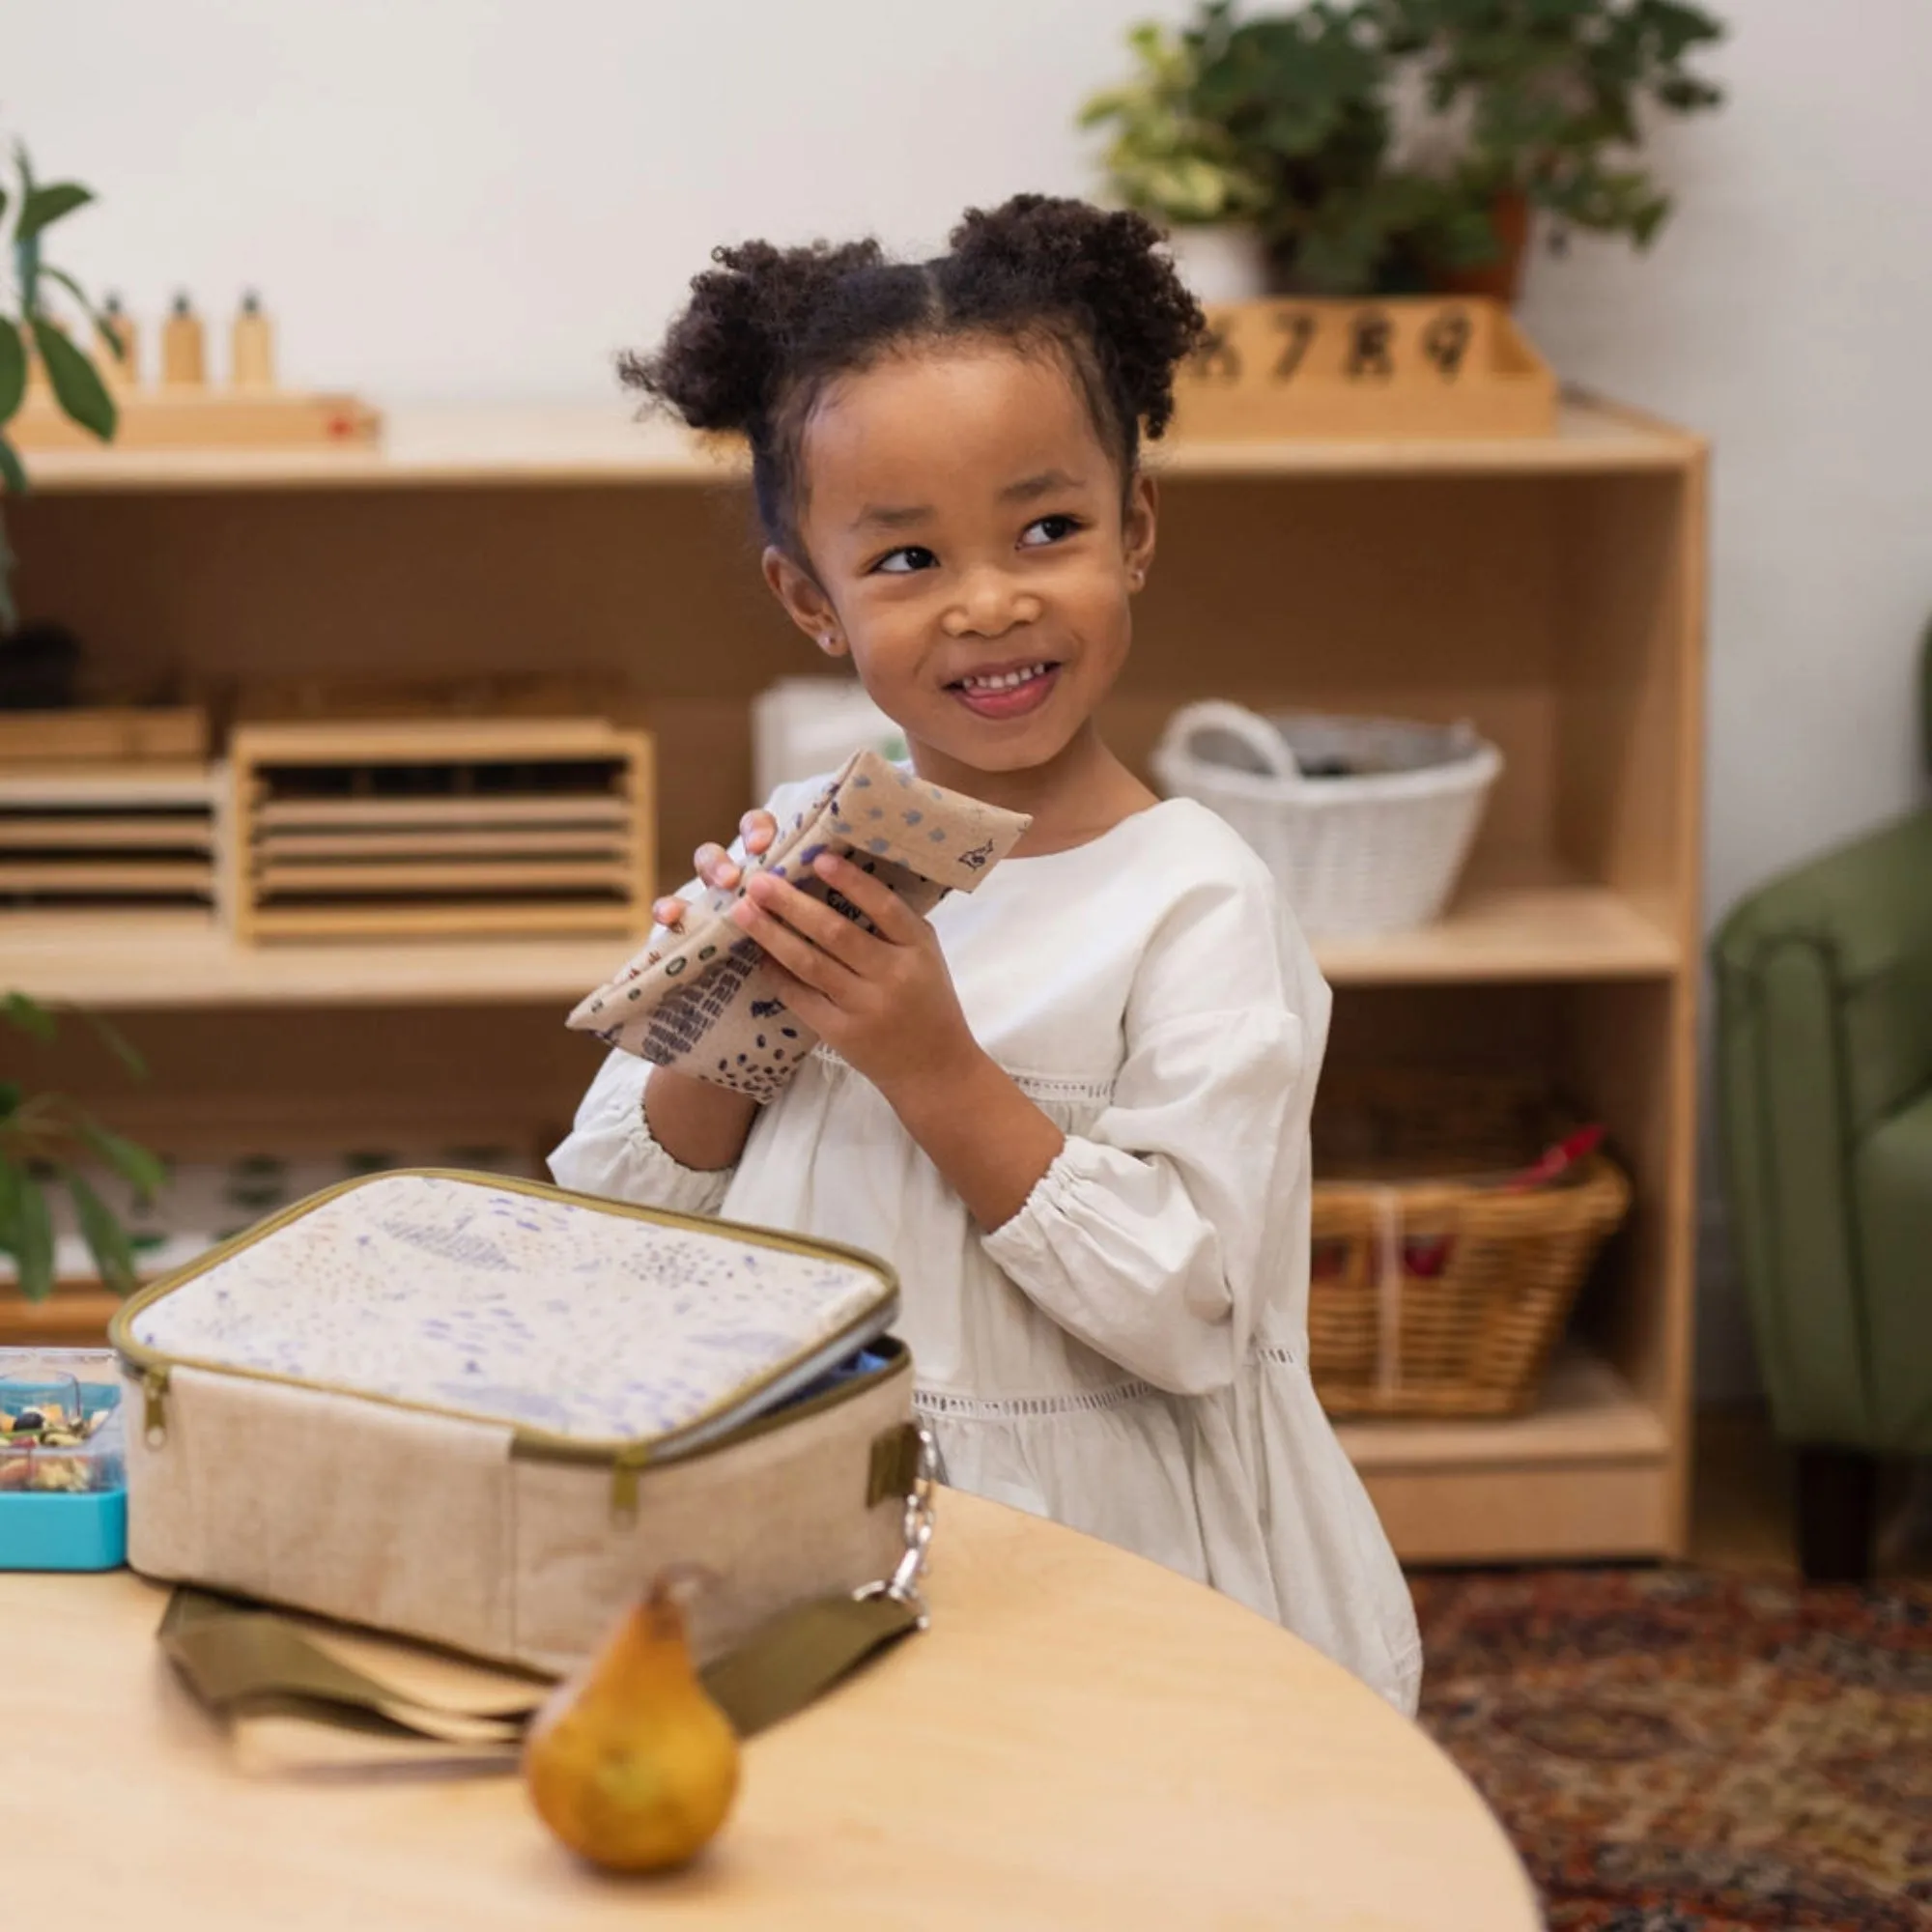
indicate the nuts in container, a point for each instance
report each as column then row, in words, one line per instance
column 63, row 1475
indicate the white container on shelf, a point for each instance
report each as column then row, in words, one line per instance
column 1377, row 851
column 804, row 727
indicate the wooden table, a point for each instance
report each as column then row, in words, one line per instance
column 1080, row 1740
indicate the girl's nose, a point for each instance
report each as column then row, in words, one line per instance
column 988, row 605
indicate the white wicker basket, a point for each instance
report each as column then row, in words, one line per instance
column 1373, row 853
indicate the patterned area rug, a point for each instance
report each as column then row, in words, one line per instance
column 1677, row 1751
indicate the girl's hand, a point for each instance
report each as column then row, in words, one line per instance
column 883, row 999
column 716, row 867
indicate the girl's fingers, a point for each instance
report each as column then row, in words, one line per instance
column 896, row 921
column 716, row 867
column 792, row 950
column 827, row 928
column 759, row 829
column 670, row 912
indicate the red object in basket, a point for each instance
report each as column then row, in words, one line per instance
column 1558, row 1160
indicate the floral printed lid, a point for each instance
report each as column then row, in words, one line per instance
column 515, row 1302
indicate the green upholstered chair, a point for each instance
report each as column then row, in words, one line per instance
column 1824, row 1045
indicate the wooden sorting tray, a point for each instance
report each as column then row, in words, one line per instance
column 388, row 826
column 108, row 837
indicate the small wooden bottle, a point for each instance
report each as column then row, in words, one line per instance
column 122, row 371
column 184, row 359
column 252, row 347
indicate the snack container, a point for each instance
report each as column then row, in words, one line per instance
column 63, row 1464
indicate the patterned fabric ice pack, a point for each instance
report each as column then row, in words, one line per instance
column 703, row 1001
column 485, row 1413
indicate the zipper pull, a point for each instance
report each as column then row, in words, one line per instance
column 624, row 1474
column 154, row 1407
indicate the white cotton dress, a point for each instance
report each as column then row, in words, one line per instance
column 1128, row 1353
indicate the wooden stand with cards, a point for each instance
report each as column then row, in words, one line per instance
column 406, row 822
column 113, row 810
column 1425, row 367
column 185, row 410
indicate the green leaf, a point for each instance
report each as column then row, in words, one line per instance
column 92, row 314
column 12, row 1092
column 117, row 1044
column 13, row 474
column 33, row 1243
column 12, row 370
column 106, row 1239
column 144, row 1172
column 45, row 205
column 77, row 386
column 29, row 1016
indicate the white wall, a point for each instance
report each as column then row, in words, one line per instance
column 471, row 198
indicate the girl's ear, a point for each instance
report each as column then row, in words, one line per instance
column 805, row 603
column 1137, row 528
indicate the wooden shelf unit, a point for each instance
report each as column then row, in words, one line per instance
column 1550, row 591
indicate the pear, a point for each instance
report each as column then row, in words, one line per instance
column 629, row 1762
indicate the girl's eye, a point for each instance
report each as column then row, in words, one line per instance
column 907, row 558
column 1049, row 530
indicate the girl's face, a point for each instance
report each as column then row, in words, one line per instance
column 970, row 548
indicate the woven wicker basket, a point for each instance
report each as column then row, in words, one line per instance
column 1435, row 1291
column 1379, row 851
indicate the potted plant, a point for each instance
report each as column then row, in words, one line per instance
column 1180, row 169
column 1520, row 107
column 1550, row 100
column 1304, row 99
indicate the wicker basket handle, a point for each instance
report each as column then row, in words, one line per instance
column 1193, row 722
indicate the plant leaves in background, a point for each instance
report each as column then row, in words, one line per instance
column 107, row 1239
column 42, row 207
column 144, row 1172
column 33, row 1239
column 12, row 370
column 117, row 1044
column 30, row 1017
column 12, row 473
column 77, row 385
column 109, row 340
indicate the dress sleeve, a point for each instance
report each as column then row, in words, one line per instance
column 611, row 1151
column 1155, row 1235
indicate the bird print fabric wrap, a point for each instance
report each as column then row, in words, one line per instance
column 703, row 999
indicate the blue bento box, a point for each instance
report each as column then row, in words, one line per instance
column 63, row 1461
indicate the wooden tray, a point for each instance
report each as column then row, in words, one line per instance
column 390, row 826
column 127, row 836
column 192, row 418
column 1425, row 367
column 118, row 735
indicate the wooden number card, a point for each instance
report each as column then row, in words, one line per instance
column 1402, row 367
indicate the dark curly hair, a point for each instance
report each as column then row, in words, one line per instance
column 768, row 328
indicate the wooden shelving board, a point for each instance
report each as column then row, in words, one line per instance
column 1589, row 1474
column 607, row 444
column 1540, row 930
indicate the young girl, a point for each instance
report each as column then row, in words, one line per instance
column 1072, row 1107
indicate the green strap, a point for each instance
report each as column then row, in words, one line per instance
column 241, row 1658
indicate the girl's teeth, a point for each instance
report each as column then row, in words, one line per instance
column 1006, row 682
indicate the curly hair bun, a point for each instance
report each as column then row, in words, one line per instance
column 725, row 360
column 1107, row 266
